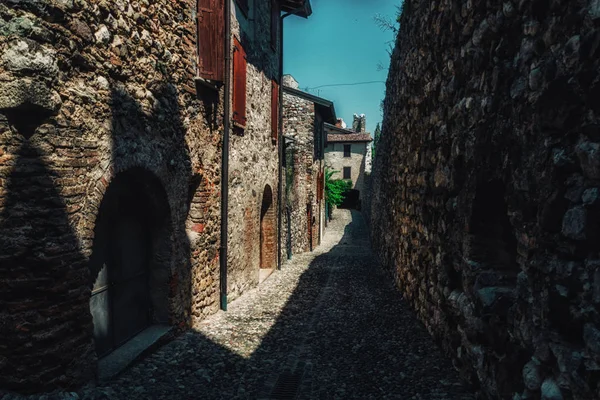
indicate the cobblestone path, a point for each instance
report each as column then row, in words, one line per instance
column 329, row 325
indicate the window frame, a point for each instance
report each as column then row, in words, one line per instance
column 349, row 170
column 349, row 152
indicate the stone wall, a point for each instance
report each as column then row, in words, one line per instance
column 486, row 181
column 300, row 121
column 88, row 91
column 253, row 161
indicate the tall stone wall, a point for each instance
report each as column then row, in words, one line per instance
column 253, row 162
column 90, row 90
column 486, row 181
column 299, row 123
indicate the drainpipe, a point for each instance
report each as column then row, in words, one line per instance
column 280, row 148
column 225, row 161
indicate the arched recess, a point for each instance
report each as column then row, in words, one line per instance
column 131, row 259
column 268, row 232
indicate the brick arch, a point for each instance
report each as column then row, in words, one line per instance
column 268, row 230
column 132, row 255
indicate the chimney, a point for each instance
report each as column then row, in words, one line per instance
column 289, row 81
column 360, row 123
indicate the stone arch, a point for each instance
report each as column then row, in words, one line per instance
column 268, row 231
column 131, row 259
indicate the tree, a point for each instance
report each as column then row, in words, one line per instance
column 377, row 136
column 335, row 190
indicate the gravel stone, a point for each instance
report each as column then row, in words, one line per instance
column 331, row 316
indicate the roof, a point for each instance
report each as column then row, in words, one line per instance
column 345, row 135
column 302, row 8
column 348, row 137
column 324, row 106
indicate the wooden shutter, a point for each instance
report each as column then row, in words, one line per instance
column 211, row 35
column 274, row 23
column 239, row 84
column 274, row 110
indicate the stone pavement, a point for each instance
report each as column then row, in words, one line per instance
column 329, row 325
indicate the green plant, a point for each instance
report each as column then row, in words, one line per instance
column 335, row 189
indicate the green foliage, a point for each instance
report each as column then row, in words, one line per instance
column 377, row 136
column 335, row 189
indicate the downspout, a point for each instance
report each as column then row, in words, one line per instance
column 280, row 140
column 225, row 161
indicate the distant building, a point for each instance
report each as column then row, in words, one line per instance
column 349, row 151
column 304, row 116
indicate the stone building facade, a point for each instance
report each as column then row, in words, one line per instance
column 485, row 193
column 304, row 116
column 349, row 151
column 110, row 175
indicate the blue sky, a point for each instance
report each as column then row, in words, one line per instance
column 341, row 43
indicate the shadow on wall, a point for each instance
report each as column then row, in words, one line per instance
column 140, row 264
column 44, row 316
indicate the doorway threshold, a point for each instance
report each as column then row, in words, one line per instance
column 264, row 273
column 112, row 364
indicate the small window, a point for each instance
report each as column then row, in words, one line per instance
column 347, row 150
column 239, row 85
column 347, row 173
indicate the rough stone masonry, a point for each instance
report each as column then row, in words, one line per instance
column 99, row 119
column 486, row 191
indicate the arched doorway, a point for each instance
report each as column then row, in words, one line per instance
column 130, row 262
column 268, row 233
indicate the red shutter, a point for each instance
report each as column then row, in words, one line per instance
column 274, row 110
column 211, row 59
column 239, row 84
column 274, row 23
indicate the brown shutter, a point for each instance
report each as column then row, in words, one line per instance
column 274, row 110
column 211, row 35
column 239, row 84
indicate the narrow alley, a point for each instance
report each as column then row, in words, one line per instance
column 329, row 325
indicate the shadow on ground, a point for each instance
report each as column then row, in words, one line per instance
column 344, row 333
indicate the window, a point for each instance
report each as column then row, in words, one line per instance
column 347, row 173
column 243, row 6
column 274, row 110
column 274, row 24
column 347, row 150
column 211, row 47
column 239, row 85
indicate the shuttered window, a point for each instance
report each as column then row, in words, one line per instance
column 239, row 84
column 274, row 23
column 211, row 57
column 274, row 110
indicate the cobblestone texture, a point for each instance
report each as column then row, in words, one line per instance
column 331, row 314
